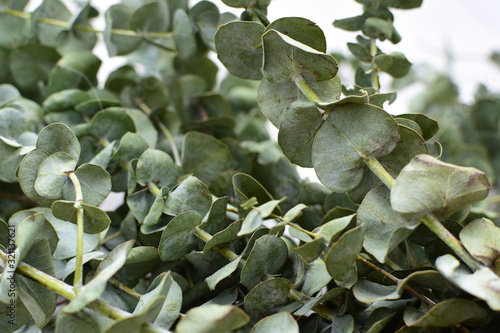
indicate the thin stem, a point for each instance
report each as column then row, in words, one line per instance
column 124, row 288
column 379, row 170
column 164, row 130
column 449, row 239
column 86, row 28
column 110, row 237
column 307, row 232
column 397, row 281
column 78, row 277
column 374, row 73
column 320, row 309
column 68, row 292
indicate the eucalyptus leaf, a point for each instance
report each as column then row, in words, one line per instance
column 212, row 317
column 108, row 267
column 53, row 174
column 205, row 157
column 338, row 150
column 239, row 48
column 446, row 313
column 448, row 188
column 95, row 220
column 482, row 239
column 298, row 127
column 157, row 167
column 280, row 321
column 177, row 239
column 191, row 194
column 95, row 184
column 483, row 283
column 267, row 256
column 341, row 257
column 384, row 229
column 268, row 295
column 285, row 59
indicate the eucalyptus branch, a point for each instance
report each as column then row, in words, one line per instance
column 78, row 277
column 64, row 24
column 429, row 220
column 64, row 289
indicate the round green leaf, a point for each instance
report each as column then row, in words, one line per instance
column 27, row 175
column 204, row 156
column 94, row 181
column 118, row 17
column 341, row 257
column 339, row 149
column 178, row 239
column 481, row 238
column 191, row 194
column 273, row 98
column 239, row 48
column 84, row 321
column 157, row 167
column 302, row 30
column 8, row 94
column 267, row 296
column 64, row 100
column 427, row 184
column 384, row 230
column 53, row 174
column 95, row 220
column 267, row 256
column 111, row 124
column 212, row 318
column 444, row 314
column 298, row 127
column 152, row 17
column 184, row 37
column 31, row 64
column 76, row 69
column 285, row 59
column 58, row 138
column 279, row 322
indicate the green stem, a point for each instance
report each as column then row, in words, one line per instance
column 429, row 220
column 154, row 189
column 306, row 89
column 205, row 236
column 374, row 73
column 449, row 239
column 64, row 24
column 164, row 130
column 78, row 277
column 397, row 281
column 65, row 290
column 124, row 288
column 320, row 309
column 379, row 170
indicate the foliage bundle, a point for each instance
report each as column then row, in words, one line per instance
column 217, row 232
